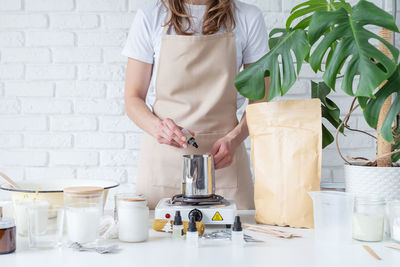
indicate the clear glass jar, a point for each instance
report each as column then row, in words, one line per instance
column 133, row 217
column 84, row 208
column 45, row 226
column 394, row 219
column 368, row 218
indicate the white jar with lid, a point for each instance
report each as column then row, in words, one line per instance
column 133, row 218
column 368, row 218
column 84, row 208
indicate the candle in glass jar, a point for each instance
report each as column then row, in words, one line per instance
column 84, row 208
column 20, row 213
column 394, row 219
column 83, row 223
column 368, row 218
column 368, row 227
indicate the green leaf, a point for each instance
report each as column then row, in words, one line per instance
column 308, row 8
column 374, row 105
column 346, row 27
column 396, row 157
column 327, row 137
column 250, row 82
column 321, row 90
column 386, row 130
column 330, row 111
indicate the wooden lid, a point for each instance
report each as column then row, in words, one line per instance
column 83, row 190
column 133, row 199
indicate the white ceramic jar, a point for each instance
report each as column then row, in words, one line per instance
column 133, row 217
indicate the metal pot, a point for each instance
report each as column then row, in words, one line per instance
column 198, row 179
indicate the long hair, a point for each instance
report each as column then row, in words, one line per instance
column 218, row 13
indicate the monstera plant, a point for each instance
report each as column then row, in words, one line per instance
column 338, row 40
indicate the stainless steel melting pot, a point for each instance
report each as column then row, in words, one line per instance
column 198, row 179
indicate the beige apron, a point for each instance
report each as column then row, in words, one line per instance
column 194, row 87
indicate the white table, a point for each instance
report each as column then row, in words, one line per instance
column 161, row 250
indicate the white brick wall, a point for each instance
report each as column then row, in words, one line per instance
column 61, row 90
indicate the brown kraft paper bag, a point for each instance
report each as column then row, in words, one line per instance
column 286, row 148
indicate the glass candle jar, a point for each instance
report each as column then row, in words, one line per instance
column 394, row 219
column 45, row 226
column 7, row 234
column 368, row 218
column 83, row 208
column 133, row 217
column 21, row 207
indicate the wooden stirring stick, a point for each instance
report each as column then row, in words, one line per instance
column 274, row 232
column 371, row 252
column 9, row 181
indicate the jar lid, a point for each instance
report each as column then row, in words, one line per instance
column 6, row 223
column 83, row 190
column 373, row 200
column 131, row 199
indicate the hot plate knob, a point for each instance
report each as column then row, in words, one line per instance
column 198, row 216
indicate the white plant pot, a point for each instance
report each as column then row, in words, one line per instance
column 366, row 180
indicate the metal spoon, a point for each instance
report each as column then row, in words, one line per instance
column 10, row 181
column 99, row 249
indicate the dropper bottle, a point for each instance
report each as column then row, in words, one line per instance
column 189, row 138
column 177, row 230
column 192, row 236
column 237, row 232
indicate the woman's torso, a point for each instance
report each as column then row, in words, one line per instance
column 156, row 14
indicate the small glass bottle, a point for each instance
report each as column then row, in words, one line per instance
column 368, row 218
column 192, row 236
column 237, row 232
column 189, row 138
column 394, row 219
column 177, row 230
column 7, row 234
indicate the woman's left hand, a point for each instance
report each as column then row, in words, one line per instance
column 223, row 151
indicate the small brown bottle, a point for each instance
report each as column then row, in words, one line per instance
column 7, row 234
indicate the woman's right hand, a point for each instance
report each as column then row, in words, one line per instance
column 170, row 134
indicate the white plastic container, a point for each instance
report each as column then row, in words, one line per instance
column 84, row 208
column 133, row 218
column 332, row 216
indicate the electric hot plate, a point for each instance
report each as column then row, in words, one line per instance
column 210, row 211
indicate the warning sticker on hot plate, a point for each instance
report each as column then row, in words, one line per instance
column 217, row 217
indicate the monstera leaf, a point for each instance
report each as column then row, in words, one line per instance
column 374, row 105
column 330, row 111
column 306, row 9
column 250, row 82
column 346, row 27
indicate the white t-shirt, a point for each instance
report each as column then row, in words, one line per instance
column 144, row 39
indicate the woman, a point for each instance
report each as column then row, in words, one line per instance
column 183, row 58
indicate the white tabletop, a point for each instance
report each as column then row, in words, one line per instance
column 161, row 250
